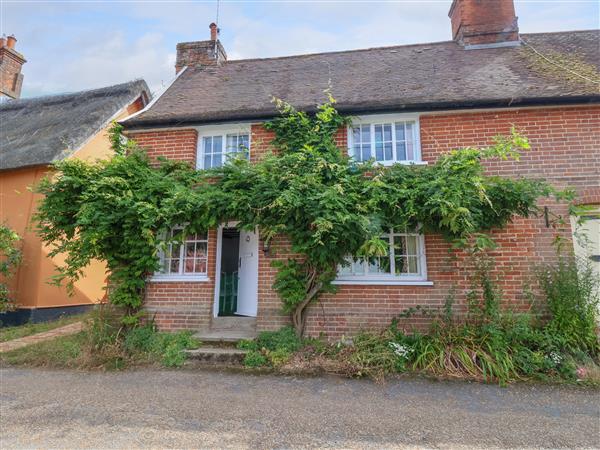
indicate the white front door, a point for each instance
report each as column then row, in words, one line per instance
column 247, row 301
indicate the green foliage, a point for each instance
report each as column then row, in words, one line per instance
column 117, row 211
column 571, row 290
column 326, row 204
column 168, row 348
column 10, row 257
column 271, row 347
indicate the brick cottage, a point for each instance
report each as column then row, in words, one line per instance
column 409, row 104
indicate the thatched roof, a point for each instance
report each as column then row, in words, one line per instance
column 41, row 130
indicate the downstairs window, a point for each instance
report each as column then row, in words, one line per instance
column 405, row 262
column 186, row 257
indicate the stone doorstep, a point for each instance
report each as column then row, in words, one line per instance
column 224, row 335
column 217, row 355
column 234, row 324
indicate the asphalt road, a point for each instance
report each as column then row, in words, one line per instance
column 211, row 409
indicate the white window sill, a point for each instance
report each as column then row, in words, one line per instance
column 404, row 163
column 382, row 282
column 179, row 278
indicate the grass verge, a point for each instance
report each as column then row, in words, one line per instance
column 16, row 332
column 104, row 344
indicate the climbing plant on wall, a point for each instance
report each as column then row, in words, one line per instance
column 328, row 205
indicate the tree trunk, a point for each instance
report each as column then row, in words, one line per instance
column 299, row 314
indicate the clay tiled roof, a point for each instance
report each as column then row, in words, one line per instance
column 440, row 75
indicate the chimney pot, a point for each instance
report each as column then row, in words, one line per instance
column 214, row 31
column 10, row 41
column 2, row 41
column 484, row 23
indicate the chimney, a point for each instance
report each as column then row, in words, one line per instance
column 11, row 62
column 201, row 53
column 484, row 23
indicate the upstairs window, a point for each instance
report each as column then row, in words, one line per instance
column 217, row 145
column 185, row 257
column 385, row 139
column 405, row 261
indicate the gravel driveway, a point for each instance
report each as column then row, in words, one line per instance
column 212, row 409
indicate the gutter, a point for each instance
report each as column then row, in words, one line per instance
column 225, row 117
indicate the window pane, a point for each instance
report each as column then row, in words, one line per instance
column 378, row 133
column 207, row 162
column 217, row 144
column 244, row 144
column 207, row 145
column 401, row 264
column 413, row 264
column 174, row 268
column 399, row 245
column 217, row 161
column 232, row 143
column 400, row 151
column 387, row 132
column 388, row 151
column 356, row 135
column 357, row 153
column 411, row 245
column 399, row 131
column 366, row 134
column 379, row 151
column 366, row 152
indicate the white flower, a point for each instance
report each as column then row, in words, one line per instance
column 556, row 358
column 400, row 350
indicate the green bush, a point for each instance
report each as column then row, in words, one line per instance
column 255, row 358
column 275, row 347
column 10, row 257
column 571, row 291
column 168, row 348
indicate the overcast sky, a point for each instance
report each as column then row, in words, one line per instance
column 74, row 45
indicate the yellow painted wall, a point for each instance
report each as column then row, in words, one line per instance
column 29, row 285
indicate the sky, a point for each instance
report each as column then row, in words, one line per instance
column 76, row 45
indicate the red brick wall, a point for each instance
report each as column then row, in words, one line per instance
column 184, row 305
column 565, row 150
column 172, row 144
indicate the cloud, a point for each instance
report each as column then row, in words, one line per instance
column 79, row 45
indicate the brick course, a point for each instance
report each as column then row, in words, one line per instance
column 565, row 150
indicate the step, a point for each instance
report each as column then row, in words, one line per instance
column 224, row 335
column 234, row 323
column 217, row 355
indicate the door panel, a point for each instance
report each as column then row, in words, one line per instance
column 247, row 304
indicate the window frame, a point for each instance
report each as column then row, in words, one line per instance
column 419, row 279
column 223, row 131
column 181, row 275
column 380, row 119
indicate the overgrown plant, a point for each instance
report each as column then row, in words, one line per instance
column 10, row 257
column 571, row 291
column 328, row 205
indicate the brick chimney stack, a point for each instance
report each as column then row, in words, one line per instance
column 201, row 53
column 11, row 62
column 484, row 23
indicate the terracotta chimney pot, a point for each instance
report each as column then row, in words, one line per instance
column 214, row 31
column 10, row 41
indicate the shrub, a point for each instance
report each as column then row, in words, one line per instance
column 167, row 348
column 10, row 257
column 275, row 347
column 571, row 290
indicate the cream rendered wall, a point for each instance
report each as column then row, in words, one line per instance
column 30, row 285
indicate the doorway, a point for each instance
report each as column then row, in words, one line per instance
column 236, row 292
